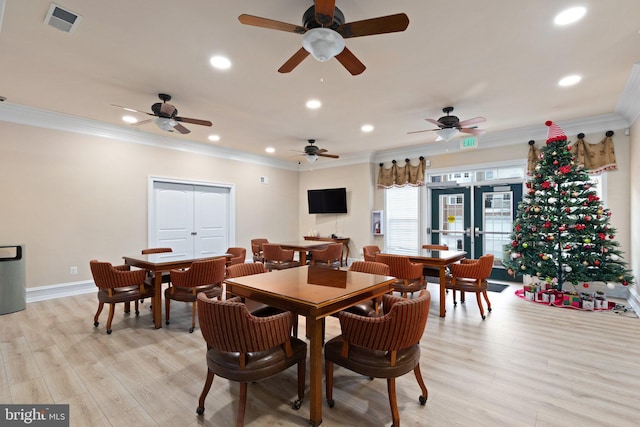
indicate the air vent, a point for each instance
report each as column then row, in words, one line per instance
column 62, row 19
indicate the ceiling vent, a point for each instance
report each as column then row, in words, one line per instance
column 62, row 19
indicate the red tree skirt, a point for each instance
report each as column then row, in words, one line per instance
column 520, row 293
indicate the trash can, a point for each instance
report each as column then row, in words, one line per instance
column 13, row 288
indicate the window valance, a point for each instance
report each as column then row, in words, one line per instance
column 594, row 158
column 400, row 176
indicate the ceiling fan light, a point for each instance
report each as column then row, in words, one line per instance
column 447, row 133
column 311, row 158
column 322, row 43
column 164, row 123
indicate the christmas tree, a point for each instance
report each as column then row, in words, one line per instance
column 562, row 232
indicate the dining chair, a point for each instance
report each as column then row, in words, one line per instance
column 244, row 348
column 409, row 274
column 256, row 249
column 330, row 257
column 256, row 308
column 166, row 277
column 429, row 271
column 369, row 252
column 368, row 308
column 118, row 284
column 471, row 275
column 381, row 347
column 276, row 258
column 203, row 276
column 238, row 255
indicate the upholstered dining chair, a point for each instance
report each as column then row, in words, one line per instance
column 238, row 255
column 381, row 347
column 244, row 348
column 276, row 258
column 203, row 276
column 368, row 308
column 409, row 274
column 256, row 308
column 256, row 249
column 118, row 284
column 369, row 252
column 471, row 275
column 330, row 257
column 427, row 270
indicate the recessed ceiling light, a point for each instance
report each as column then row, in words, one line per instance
column 313, row 104
column 220, row 62
column 214, row 138
column 569, row 16
column 270, row 150
column 569, row 80
column 366, row 128
column 129, row 119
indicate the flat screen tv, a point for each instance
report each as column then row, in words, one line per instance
column 327, row 201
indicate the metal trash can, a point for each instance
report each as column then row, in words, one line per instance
column 13, row 288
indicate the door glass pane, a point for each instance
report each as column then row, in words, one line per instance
column 451, row 219
column 497, row 222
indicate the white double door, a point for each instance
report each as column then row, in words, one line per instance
column 192, row 220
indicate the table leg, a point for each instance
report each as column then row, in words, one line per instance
column 315, row 371
column 157, row 300
column 303, row 257
column 443, row 291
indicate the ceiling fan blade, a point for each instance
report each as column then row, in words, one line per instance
column 324, row 12
column 271, row 24
column 369, row 27
column 294, row 61
column 420, row 131
column 143, row 122
column 131, row 109
column 321, row 150
column 473, row 121
column 472, row 131
column 333, row 156
column 193, row 121
column 350, row 62
column 183, row 130
column 435, row 122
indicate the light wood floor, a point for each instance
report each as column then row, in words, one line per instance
column 526, row 365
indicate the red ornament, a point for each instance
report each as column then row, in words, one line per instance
column 514, row 243
column 546, row 185
column 555, row 162
column 587, row 218
column 517, row 227
column 625, row 283
column 585, row 285
column 568, row 210
column 596, row 262
column 611, row 236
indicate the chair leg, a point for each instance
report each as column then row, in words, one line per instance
column 242, row 405
column 455, row 303
column 302, row 372
column 393, row 402
column 112, row 309
column 127, row 307
column 193, row 317
column 328, row 372
column 462, row 298
column 167, row 307
column 486, row 298
column 480, row 305
column 137, row 309
column 205, row 391
column 425, row 393
column 95, row 318
column 294, row 325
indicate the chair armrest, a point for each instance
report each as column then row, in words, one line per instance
column 470, row 270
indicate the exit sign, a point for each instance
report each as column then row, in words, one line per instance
column 469, row 142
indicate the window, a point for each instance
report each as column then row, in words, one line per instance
column 403, row 219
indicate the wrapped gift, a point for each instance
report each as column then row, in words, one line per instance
column 588, row 304
column 571, row 300
column 540, row 296
column 529, row 295
column 600, row 303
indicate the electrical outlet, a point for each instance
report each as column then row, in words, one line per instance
column 73, row 270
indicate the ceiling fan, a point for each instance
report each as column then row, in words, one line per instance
column 449, row 126
column 166, row 116
column 324, row 30
column 312, row 152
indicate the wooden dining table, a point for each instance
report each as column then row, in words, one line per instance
column 313, row 292
column 302, row 246
column 440, row 260
column 162, row 262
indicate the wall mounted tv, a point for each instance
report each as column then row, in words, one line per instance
column 327, row 201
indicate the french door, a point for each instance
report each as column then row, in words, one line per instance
column 476, row 219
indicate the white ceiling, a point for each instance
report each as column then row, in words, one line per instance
column 493, row 58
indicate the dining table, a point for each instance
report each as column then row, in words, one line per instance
column 302, row 246
column 313, row 292
column 439, row 259
column 163, row 262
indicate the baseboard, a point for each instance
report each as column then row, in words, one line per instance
column 42, row 293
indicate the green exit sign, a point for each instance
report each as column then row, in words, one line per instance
column 469, row 142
